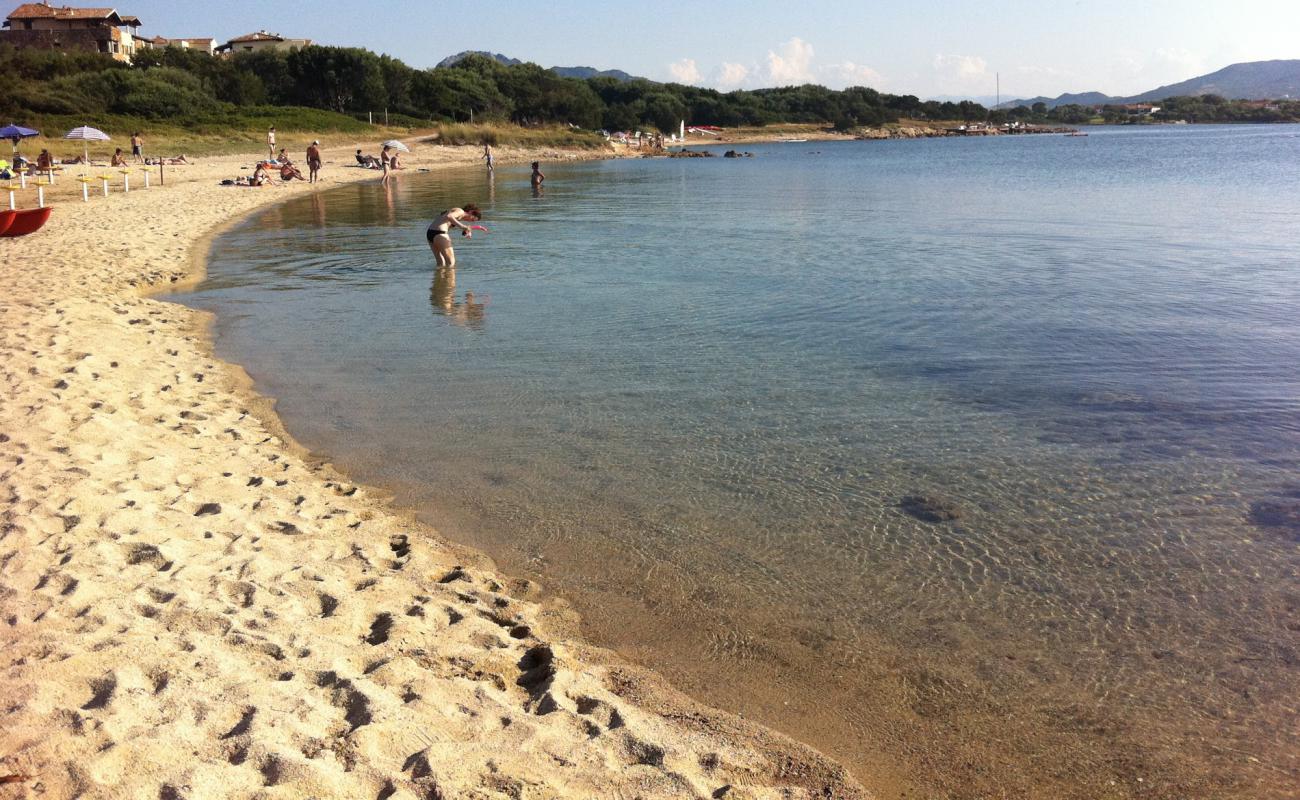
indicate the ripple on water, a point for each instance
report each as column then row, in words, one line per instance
column 976, row 457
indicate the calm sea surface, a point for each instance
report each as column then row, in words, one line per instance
column 691, row 396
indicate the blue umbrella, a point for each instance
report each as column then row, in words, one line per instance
column 16, row 132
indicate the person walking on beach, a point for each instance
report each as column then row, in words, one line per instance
column 313, row 159
column 137, row 147
column 487, row 156
column 439, row 233
column 270, row 143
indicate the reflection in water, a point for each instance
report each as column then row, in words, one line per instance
column 391, row 216
column 318, row 209
column 442, row 296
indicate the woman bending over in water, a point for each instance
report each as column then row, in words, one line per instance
column 439, row 232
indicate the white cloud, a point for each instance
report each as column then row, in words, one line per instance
column 730, row 75
column 964, row 67
column 1132, row 72
column 959, row 74
column 847, row 73
column 685, row 71
column 1174, row 64
column 792, row 65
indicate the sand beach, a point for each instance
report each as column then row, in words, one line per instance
column 193, row 607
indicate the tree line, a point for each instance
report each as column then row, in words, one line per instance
column 182, row 86
column 1200, row 108
column 177, row 85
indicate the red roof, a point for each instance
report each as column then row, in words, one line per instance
column 42, row 11
column 260, row 36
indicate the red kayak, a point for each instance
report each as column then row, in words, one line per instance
column 27, row 221
column 6, row 219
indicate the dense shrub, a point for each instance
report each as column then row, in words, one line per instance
column 186, row 87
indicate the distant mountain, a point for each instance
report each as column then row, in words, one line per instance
column 985, row 100
column 592, row 72
column 1082, row 98
column 1252, row 80
column 451, row 61
column 564, row 72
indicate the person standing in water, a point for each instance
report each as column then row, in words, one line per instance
column 537, row 176
column 385, row 161
column 313, row 159
column 487, row 156
column 439, row 233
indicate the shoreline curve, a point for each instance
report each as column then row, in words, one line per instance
column 195, row 607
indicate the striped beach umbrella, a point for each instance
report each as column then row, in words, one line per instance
column 87, row 134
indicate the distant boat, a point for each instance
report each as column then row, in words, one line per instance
column 1076, row 133
column 791, row 141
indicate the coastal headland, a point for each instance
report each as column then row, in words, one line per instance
column 193, row 607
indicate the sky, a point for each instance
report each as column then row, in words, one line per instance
column 930, row 48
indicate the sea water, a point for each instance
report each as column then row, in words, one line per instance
column 968, row 461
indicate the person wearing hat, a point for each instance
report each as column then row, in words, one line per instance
column 313, row 159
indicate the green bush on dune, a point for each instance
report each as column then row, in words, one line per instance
column 335, row 88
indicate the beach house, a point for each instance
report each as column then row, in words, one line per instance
column 261, row 40
column 203, row 45
column 64, row 28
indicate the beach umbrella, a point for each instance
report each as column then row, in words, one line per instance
column 396, row 145
column 86, row 134
column 14, row 133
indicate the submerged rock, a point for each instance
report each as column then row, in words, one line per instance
column 929, row 508
column 1279, row 515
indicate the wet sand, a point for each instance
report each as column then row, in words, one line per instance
column 194, row 608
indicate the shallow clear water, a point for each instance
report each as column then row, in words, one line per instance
column 692, row 395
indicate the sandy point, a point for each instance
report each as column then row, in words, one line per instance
column 193, row 608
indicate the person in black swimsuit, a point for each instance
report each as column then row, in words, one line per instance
column 438, row 234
